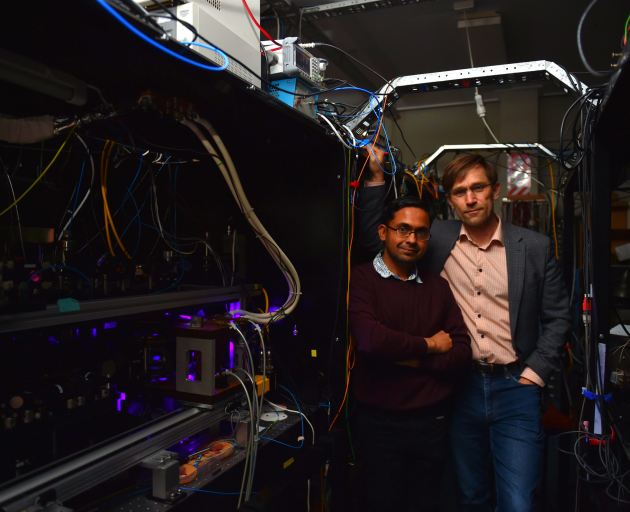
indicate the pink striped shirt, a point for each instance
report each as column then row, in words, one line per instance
column 479, row 281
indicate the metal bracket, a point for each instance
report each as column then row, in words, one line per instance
column 165, row 468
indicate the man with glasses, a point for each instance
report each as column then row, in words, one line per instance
column 411, row 342
column 509, row 287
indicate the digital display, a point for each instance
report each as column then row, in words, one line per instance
column 303, row 62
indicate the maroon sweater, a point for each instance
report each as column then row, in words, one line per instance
column 389, row 320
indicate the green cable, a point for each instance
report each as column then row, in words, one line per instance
column 625, row 34
column 347, row 323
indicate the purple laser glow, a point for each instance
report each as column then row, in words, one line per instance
column 235, row 306
column 119, row 401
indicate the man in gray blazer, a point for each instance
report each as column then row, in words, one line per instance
column 509, row 287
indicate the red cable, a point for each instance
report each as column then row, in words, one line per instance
column 256, row 23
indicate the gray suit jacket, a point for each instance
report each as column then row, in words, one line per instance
column 539, row 304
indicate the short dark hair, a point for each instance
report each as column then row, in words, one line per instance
column 459, row 167
column 406, row 202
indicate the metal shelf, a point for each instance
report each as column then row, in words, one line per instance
column 108, row 308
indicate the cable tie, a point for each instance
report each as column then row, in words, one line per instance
column 295, row 293
column 592, row 396
column 354, row 184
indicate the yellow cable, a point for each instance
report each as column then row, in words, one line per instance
column 109, row 215
column 416, row 182
column 553, row 209
column 41, row 175
column 109, row 240
column 266, row 300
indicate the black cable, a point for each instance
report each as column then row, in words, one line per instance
column 133, row 6
column 146, row 16
column 300, row 25
column 621, row 321
column 174, row 18
column 401, row 133
column 356, row 60
column 345, row 105
column 579, row 44
column 380, row 204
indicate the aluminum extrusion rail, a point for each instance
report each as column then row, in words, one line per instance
column 502, row 74
column 78, row 473
column 106, row 308
column 486, row 147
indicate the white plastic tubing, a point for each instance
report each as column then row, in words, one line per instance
column 234, row 183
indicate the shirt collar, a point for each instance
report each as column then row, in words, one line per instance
column 496, row 237
column 383, row 270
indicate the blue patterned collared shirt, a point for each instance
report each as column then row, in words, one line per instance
column 383, row 271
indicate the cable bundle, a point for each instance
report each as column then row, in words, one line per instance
column 226, row 166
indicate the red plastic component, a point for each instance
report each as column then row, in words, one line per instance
column 597, row 442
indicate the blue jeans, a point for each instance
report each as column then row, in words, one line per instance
column 496, row 416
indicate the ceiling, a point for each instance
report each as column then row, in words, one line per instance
column 424, row 37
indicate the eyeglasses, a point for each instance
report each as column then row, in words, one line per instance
column 475, row 189
column 404, row 232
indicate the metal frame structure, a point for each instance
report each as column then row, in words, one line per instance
column 106, row 308
column 488, row 147
column 77, row 473
column 335, row 9
column 366, row 115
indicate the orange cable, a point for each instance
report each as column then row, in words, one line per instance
column 109, row 240
column 435, row 194
column 354, row 193
column 347, row 386
column 109, row 215
column 350, row 348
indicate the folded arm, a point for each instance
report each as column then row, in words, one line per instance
column 461, row 353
